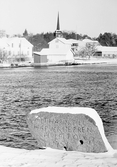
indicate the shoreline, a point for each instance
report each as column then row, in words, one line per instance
column 97, row 61
column 77, row 62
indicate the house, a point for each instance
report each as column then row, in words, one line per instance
column 20, row 50
column 15, row 50
column 107, row 52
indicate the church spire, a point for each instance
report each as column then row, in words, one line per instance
column 58, row 24
column 58, row 32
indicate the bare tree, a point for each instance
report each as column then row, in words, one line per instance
column 87, row 51
column 3, row 55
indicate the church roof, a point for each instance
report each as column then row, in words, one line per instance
column 89, row 41
column 65, row 41
column 107, row 48
column 71, row 41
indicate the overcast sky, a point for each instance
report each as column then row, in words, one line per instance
column 90, row 17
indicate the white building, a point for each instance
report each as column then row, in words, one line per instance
column 60, row 50
column 15, row 50
column 20, row 50
column 107, row 51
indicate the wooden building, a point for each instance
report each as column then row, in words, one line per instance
column 40, row 59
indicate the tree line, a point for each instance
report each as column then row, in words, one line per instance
column 41, row 40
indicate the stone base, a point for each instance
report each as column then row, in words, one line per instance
column 72, row 132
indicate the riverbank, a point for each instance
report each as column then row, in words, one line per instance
column 15, row 65
column 96, row 61
column 55, row 158
column 90, row 61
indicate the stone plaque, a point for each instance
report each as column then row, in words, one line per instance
column 72, row 132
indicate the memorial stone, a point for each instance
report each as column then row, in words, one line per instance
column 72, row 132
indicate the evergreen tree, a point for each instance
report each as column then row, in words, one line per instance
column 25, row 34
column 107, row 39
column 38, row 42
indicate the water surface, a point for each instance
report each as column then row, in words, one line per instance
column 25, row 89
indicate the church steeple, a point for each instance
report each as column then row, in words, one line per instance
column 58, row 24
column 58, row 31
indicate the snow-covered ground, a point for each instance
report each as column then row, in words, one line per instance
column 97, row 61
column 12, row 157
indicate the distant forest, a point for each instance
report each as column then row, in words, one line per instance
column 40, row 41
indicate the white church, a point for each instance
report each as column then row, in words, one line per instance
column 60, row 50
